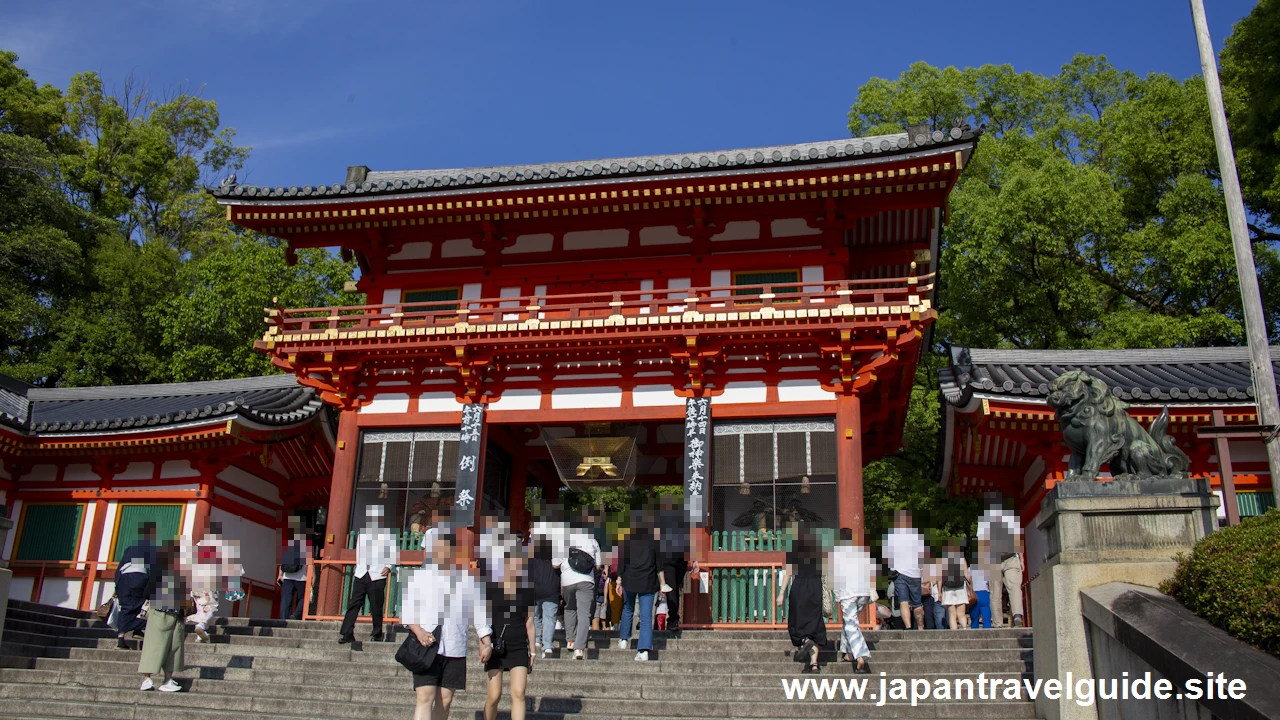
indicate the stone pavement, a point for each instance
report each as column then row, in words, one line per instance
column 57, row 663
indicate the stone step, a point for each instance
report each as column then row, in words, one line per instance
column 49, row 609
column 634, row 672
column 375, row 690
column 383, row 704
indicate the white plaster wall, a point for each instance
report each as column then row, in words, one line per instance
column 742, row 392
column 720, row 278
column 663, row 235
column 102, row 592
column 78, row 472
column 655, row 396
column 531, row 243
column 42, row 473
column 413, row 251
column 14, row 514
column 438, row 402
column 460, row 247
column 86, row 531
column 178, row 469
column 386, row 403
column 189, row 519
column 593, row 239
column 61, row 592
column 812, row 274
column 510, row 292
column 739, row 230
column 257, row 544
column 20, row 588
column 108, row 531
column 587, row 397
column 250, row 483
column 391, row 296
column 471, row 291
column 802, row 390
column 793, row 227
column 519, row 399
column 138, row 471
column 676, row 286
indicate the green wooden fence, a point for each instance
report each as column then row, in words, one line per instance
column 745, row 595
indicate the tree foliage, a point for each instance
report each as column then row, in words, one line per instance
column 1251, row 82
column 116, row 266
column 1090, row 216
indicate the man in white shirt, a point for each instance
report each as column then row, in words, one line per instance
column 440, row 597
column 903, row 552
column 578, row 585
column 376, row 554
column 1000, row 540
column 851, row 582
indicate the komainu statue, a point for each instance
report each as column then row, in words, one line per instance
column 1099, row 431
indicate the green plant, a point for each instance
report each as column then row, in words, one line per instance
column 1232, row 579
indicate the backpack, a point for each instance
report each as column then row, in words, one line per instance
column 954, row 579
column 292, row 561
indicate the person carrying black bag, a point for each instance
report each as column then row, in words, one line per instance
column 447, row 598
column 136, row 571
column 511, row 604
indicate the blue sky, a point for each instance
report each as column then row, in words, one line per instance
column 316, row 86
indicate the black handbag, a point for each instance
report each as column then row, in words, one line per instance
column 581, row 561
column 416, row 657
column 500, row 642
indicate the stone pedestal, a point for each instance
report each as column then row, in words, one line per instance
column 6, row 575
column 1097, row 533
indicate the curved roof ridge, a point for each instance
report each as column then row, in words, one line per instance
column 204, row 387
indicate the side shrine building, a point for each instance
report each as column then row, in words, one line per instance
column 1000, row 436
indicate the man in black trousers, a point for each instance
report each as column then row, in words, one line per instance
column 377, row 553
column 673, row 527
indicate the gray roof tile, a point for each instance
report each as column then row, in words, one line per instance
column 270, row 400
column 1174, row 376
column 387, row 182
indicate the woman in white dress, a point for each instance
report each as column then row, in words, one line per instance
column 954, row 573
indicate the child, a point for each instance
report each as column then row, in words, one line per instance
column 661, row 609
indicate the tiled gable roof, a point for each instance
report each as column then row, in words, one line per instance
column 270, row 400
column 1173, row 376
column 383, row 182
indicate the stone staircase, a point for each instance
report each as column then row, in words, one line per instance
column 57, row 663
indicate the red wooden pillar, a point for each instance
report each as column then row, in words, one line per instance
column 208, row 468
column 849, row 463
column 1224, row 469
column 338, row 518
column 519, row 483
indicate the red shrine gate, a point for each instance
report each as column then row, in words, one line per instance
column 793, row 286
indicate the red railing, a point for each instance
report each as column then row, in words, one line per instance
column 894, row 295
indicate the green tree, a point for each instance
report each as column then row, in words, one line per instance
column 208, row 328
column 1251, row 82
column 116, row 265
column 1090, row 216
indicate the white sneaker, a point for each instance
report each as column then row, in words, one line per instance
column 577, row 655
column 642, row 656
column 147, row 684
column 569, row 645
column 546, row 653
column 622, row 644
column 170, row 686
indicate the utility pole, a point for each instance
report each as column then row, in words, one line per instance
column 1264, row 381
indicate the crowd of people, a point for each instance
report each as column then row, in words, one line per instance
column 923, row 592
column 520, row 587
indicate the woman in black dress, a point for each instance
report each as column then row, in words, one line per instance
column 805, row 623
column 511, row 608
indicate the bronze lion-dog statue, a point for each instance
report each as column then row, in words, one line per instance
column 1099, row 431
